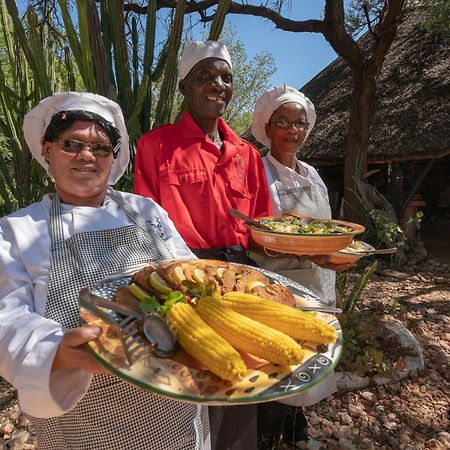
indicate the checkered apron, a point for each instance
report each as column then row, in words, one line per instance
column 113, row 414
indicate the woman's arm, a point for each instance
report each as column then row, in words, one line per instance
column 29, row 341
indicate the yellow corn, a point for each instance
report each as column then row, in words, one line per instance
column 248, row 335
column 204, row 344
column 295, row 323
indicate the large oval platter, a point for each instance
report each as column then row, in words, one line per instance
column 182, row 379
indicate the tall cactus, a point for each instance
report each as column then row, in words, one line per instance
column 121, row 61
column 98, row 49
column 149, row 52
column 164, row 107
column 30, row 46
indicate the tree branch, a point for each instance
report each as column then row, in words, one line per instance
column 369, row 23
column 334, row 32
column 386, row 34
column 283, row 23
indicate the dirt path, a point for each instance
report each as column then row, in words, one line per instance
column 411, row 414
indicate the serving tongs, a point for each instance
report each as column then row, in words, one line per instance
column 325, row 309
column 248, row 220
column 153, row 327
column 381, row 251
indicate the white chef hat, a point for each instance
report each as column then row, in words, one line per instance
column 270, row 101
column 37, row 120
column 197, row 51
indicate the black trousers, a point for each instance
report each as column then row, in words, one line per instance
column 276, row 420
column 233, row 427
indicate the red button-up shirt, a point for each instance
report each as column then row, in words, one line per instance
column 197, row 184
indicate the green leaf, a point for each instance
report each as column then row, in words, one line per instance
column 172, row 298
column 150, row 304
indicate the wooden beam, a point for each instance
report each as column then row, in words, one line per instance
column 415, row 187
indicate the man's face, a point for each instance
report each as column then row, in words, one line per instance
column 208, row 88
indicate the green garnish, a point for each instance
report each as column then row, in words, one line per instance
column 149, row 304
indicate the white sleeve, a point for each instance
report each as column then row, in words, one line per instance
column 28, row 341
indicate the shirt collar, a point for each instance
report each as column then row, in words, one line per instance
column 190, row 129
column 282, row 168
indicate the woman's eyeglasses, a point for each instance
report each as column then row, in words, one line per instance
column 284, row 124
column 100, row 149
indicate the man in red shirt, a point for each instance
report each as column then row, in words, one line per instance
column 198, row 168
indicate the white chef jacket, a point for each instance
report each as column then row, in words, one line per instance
column 28, row 341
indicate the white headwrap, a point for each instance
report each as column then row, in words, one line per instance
column 197, row 51
column 270, row 101
column 37, row 120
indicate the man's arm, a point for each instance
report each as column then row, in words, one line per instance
column 146, row 168
column 259, row 187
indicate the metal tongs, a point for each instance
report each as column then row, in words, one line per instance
column 248, row 220
column 153, row 327
column 325, row 309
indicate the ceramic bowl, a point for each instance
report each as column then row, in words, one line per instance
column 304, row 244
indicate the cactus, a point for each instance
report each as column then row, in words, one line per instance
column 164, row 106
column 93, row 52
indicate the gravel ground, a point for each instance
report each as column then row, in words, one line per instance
column 411, row 414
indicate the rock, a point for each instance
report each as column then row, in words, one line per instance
column 18, row 441
column 23, row 422
column 314, row 432
column 394, row 274
column 7, row 427
column 356, row 409
column 368, row 444
column 313, row 419
column 314, row 445
column 16, row 413
column 434, row 444
column 369, row 396
column 345, row 418
column 444, row 437
column 390, row 425
column 345, row 432
column 346, row 444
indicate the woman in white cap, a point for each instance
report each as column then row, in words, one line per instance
column 282, row 120
column 53, row 248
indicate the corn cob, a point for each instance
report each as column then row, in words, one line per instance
column 295, row 323
column 248, row 335
column 204, row 344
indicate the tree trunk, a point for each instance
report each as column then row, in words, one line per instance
column 355, row 167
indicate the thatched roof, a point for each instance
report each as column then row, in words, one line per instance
column 412, row 107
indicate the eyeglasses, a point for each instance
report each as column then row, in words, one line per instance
column 100, row 149
column 284, row 124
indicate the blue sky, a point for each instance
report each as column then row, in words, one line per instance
column 298, row 56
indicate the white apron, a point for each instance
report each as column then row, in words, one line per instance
column 311, row 201
column 308, row 200
column 113, row 414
